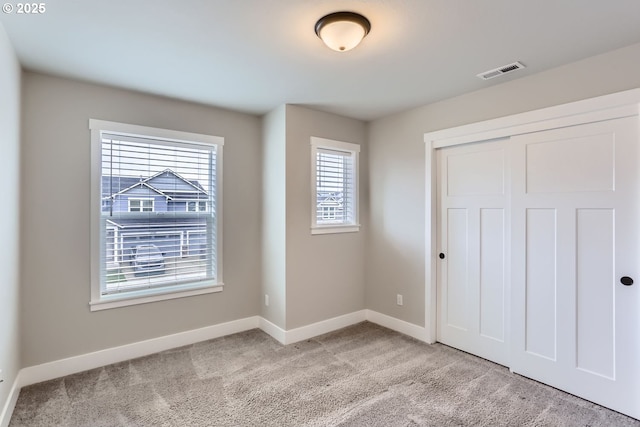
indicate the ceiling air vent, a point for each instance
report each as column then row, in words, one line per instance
column 500, row 71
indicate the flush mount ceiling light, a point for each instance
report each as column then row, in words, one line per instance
column 342, row 31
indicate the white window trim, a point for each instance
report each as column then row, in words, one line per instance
column 103, row 302
column 142, row 199
column 142, row 297
column 330, row 144
column 197, row 202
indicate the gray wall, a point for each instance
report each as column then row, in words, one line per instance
column 55, row 263
column 308, row 278
column 9, row 216
column 395, row 256
column 266, row 212
column 325, row 273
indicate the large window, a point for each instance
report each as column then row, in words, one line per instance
column 334, row 181
column 156, row 223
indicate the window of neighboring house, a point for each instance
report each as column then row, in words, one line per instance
column 197, row 206
column 140, row 205
column 328, row 212
column 137, row 246
column 334, row 184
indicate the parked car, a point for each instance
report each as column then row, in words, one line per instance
column 147, row 260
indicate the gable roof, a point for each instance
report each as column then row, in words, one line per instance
column 141, row 184
column 330, row 198
column 173, row 186
column 170, row 182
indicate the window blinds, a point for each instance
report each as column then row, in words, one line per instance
column 335, row 187
column 151, row 235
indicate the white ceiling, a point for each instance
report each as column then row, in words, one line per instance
column 253, row 55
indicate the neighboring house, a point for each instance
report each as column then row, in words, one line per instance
column 172, row 224
column 165, row 191
column 330, row 206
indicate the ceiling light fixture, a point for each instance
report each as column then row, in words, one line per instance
column 342, row 31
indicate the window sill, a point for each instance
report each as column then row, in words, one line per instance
column 332, row 229
column 143, row 297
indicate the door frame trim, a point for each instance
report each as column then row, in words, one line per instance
column 613, row 106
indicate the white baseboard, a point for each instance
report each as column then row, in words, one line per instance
column 10, row 404
column 415, row 331
column 313, row 330
column 274, row 330
column 309, row 331
column 84, row 362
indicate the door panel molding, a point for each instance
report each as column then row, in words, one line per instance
column 472, row 296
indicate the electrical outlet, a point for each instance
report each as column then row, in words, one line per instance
column 266, row 300
column 399, row 299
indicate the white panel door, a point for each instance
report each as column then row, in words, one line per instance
column 574, row 208
column 472, row 225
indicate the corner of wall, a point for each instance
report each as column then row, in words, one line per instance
column 10, row 118
column 273, row 236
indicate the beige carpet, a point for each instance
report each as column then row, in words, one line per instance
column 364, row 375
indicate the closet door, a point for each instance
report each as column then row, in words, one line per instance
column 472, row 219
column 575, row 315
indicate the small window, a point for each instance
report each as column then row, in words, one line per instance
column 156, row 214
column 197, row 206
column 334, row 181
column 140, row 205
column 328, row 212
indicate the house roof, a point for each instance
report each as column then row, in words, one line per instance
column 167, row 183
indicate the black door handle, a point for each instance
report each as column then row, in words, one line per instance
column 441, row 256
column 626, row 280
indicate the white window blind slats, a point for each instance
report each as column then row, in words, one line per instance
column 335, row 187
column 158, row 142
column 158, row 213
column 120, row 165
